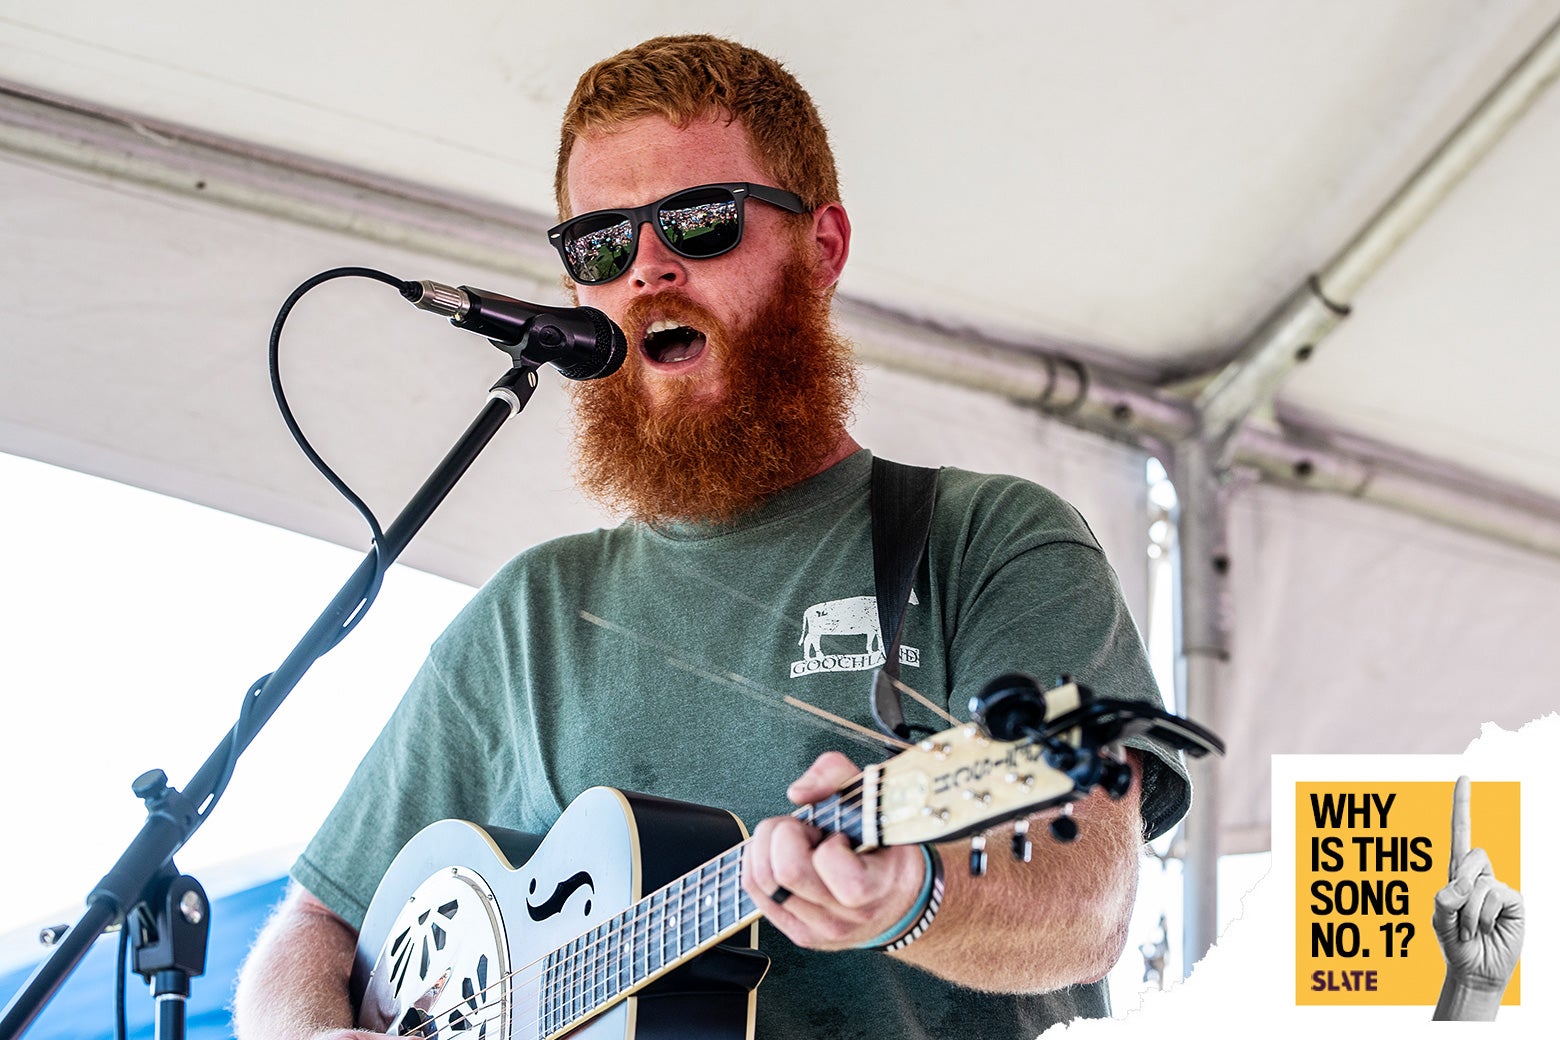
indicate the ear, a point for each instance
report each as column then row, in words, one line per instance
column 831, row 239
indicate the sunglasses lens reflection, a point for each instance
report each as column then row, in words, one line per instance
column 701, row 222
column 598, row 249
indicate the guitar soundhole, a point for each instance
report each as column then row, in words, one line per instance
column 436, row 974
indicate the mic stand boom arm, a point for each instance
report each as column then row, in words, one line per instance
column 174, row 914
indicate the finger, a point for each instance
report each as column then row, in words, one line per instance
column 791, row 845
column 1468, row 913
column 1494, row 903
column 1474, row 865
column 758, row 879
column 883, row 885
column 1462, row 824
column 828, row 773
column 851, row 879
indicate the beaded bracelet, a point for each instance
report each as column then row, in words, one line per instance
column 915, row 922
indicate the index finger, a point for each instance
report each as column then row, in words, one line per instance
column 1462, row 825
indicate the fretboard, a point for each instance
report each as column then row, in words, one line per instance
column 693, row 913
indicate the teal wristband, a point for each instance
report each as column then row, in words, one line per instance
column 910, row 927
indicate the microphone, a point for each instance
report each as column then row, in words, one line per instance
column 580, row 342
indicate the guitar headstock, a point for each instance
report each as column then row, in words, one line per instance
column 962, row 781
column 1025, row 751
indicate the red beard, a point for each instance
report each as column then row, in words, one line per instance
column 790, row 382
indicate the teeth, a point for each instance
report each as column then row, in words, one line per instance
column 662, row 325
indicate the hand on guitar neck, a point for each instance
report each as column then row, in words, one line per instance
column 836, row 899
column 1022, row 926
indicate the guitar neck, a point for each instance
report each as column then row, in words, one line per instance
column 670, row 926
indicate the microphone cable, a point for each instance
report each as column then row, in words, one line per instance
column 240, row 734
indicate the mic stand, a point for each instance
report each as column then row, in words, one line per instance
column 167, row 912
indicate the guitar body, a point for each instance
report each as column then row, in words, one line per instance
column 628, row 921
column 462, row 927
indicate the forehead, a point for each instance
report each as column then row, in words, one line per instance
column 649, row 158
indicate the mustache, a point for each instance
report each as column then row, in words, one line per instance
column 789, row 382
column 672, row 305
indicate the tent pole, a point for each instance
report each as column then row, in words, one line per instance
column 1250, row 380
column 1202, row 655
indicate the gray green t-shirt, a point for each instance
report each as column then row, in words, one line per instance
column 656, row 659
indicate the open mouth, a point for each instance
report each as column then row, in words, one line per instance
column 670, row 343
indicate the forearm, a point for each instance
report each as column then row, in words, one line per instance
column 1460, row 1002
column 294, row 983
column 1058, row 920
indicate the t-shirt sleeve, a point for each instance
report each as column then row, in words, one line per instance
column 1038, row 596
column 403, row 784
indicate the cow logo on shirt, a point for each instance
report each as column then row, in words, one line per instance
column 843, row 635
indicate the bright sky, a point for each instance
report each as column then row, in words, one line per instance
column 130, row 626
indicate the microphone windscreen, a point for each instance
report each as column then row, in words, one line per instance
column 604, row 357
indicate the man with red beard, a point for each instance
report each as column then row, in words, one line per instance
column 702, row 213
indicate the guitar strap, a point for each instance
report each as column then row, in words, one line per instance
column 901, row 503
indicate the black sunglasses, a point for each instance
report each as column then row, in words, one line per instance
column 697, row 223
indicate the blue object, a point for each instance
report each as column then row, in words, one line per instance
column 83, row 1009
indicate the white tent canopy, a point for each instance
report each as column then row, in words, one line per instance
column 1114, row 193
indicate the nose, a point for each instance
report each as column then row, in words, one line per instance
column 655, row 266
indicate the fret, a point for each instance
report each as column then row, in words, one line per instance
column 709, row 897
column 582, row 975
column 639, row 938
column 659, row 927
column 736, row 889
column 693, row 914
column 604, row 962
column 561, row 991
column 698, row 905
column 604, row 977
column 717, row 900
column 735, row 883
column 544, row 1006
column 680, row 921
column 567, row 1003
column 621, row 978
column 675, row 920
column 577, row 984
column 592, row 970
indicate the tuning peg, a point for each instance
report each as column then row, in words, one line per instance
column 978, row 856
column 1064, row 828
column 1009, row 707
column 1060, row 755
column 1116, row 779
column 1022, row 848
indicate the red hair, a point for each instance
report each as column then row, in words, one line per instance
column 685, row 78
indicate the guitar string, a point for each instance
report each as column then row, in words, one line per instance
column 574, row 1002
column 753, row 689
column 517, row 979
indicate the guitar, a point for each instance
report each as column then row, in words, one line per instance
column 628, row 919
